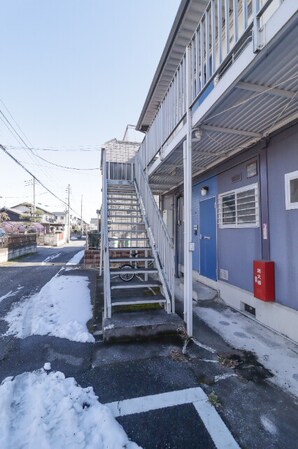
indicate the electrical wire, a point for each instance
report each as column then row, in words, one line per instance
column 65, row 166
column 33, row 176
column 68, row 150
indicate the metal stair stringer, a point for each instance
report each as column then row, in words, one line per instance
column 170, row 304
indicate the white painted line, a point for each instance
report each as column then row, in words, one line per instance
column 220, row 434
column 224, row 376
column 196, row 342
column 217, row 429
column 156, row 402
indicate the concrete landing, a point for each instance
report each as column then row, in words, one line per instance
column 142, row 325
column 200, row 292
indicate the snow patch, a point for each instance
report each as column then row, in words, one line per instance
column 47, row 366
column 76, row 259
column 61, row 309
column 40, row 410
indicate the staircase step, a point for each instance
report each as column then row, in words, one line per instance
column 141, row 325
column 123, row 190
column 132, row 231
column 119, row 199
column 131, row 248
column 131, row 259
column 135, row 301
column 119, row 209
column 133, row 271
column 137, row 216
column 129, row 238
column 120, row 285
column 134, row 223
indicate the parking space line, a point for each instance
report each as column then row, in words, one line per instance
column 217, row 429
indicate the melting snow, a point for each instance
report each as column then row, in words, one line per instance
column 76, row 259
column 40, row 410
column 275, row 352
column 61, row 309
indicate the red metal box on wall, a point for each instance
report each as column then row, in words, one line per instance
column 264, row 280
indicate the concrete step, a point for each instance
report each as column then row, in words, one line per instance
column 140, row 325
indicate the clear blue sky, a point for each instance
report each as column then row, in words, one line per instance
column 74, row 73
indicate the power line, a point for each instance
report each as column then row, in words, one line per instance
column 67, row 150
column 31, row 174
column 65, row 166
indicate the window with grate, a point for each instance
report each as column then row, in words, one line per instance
column 239, row 208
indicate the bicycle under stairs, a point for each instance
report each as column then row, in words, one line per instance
column 135, row 282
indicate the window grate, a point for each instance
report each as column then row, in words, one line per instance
column 239, row 208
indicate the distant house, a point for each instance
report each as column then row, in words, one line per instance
column 94, row 224
column 60, row 217
column 26, row 210
column 13, row 215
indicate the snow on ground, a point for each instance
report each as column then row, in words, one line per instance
column 61, row 309
column 46, row 410
column 76, row 258
column 275, row 352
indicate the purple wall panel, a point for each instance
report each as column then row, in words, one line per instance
column 282, row 159
column 237, row 248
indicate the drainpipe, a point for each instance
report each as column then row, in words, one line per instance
column 187, row 168
column 264, row 203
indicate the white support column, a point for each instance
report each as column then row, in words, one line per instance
column 188, row 245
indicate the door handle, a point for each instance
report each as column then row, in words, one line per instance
column 207, row 237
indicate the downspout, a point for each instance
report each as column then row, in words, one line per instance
column 264, row 219
column 187, row 166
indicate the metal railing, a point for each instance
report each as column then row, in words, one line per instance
column 120, row 171
column 158, row 232
column 104, row 250
column 222, row 29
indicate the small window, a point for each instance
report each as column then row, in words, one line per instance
column 239, row 208
column 291, row 189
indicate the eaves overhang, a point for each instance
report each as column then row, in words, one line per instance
column 185, row 23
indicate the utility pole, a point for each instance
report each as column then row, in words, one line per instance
column 34, row 200
column 81, row 214
column 27, row 184
column 68, row 214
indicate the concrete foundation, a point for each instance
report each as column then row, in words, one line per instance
column 141, row 325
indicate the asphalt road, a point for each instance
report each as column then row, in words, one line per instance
column 163, row 397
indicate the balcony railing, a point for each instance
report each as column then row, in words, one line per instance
column 224, row 27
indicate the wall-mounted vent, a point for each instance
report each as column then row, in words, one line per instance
column 237, row 178
column 249, row 309
column 223, row 274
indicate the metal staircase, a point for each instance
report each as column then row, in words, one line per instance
column 134, row 275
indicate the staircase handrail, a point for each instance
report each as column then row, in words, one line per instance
column 105, row 241
column 162, row 240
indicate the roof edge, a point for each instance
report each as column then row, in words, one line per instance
column 174, row 30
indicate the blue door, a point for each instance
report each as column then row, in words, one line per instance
column 208, row 238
